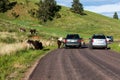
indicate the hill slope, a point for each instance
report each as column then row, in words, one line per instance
column 87, row 24
column 68, row 23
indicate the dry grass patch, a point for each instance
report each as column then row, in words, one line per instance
column 12, row 48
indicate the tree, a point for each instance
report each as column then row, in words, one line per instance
column 115, row 16
column 47, row 10
column 3, row 5
column 77, row 7
column 6, row 5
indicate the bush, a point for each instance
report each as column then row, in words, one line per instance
column 58, row 15
column 32, row 12
column 6, row 5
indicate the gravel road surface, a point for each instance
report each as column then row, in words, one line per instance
column 78, row 64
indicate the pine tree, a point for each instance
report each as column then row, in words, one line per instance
column 115, row 16
column 77, row 7
column 47, row 10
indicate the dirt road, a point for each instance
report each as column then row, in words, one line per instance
column 78, row 64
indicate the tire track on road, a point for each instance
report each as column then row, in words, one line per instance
column 78, row 64
column 103, row 64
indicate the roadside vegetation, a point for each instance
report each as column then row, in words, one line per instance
column 115, row 46
column 15, row 58
column 14, row 66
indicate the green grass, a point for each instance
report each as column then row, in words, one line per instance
column 115, row 46
column 73, row 23
column 7, row 40
column 70, row 23
column 13, row 66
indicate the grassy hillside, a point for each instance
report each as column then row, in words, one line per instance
column 68, row 23
column 86, row 25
